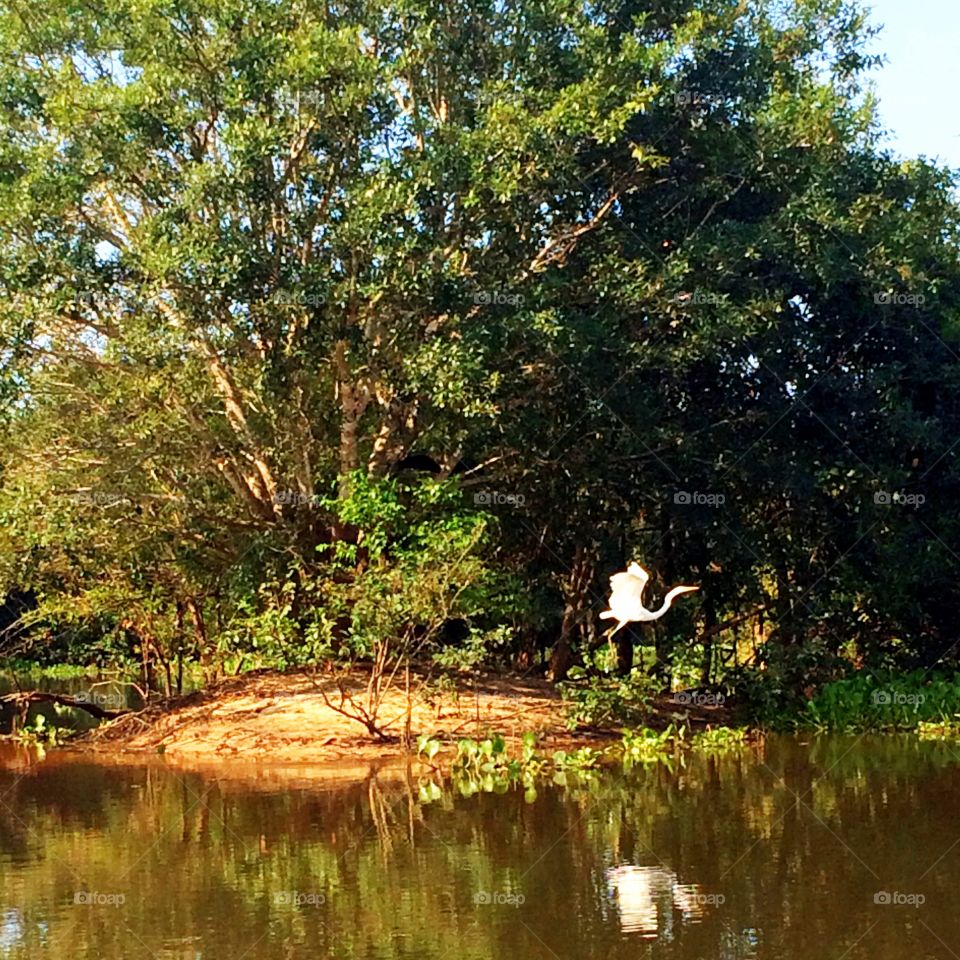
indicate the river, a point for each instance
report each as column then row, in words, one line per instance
column 834, row 847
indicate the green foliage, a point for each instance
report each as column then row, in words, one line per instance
column 646, row 746
column 258, row 256
column 596, row 699
column 719, row 739
column 265, row 628
column 41, row 732
column 485, row 766
column 775, row 691
column 435, row 571
column 885, row 701
column 418, row 564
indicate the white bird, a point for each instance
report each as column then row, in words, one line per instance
column 626, row 598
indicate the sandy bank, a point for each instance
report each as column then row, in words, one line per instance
column 284, row 717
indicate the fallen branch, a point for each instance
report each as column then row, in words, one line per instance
column 38, row 696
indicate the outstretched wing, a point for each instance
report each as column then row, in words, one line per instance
column 633, row 581
column 626, row 592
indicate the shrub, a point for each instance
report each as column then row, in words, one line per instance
column 601, row 699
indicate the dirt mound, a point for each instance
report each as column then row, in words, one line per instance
column 285, row 717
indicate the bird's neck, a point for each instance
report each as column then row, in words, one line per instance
column 667, row 600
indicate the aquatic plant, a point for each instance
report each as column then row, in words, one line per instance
column 427, row 747
column 883, row 701
column 719, row 739
column 939, row 730
column 584, row 758
column 650, row 746
column 485, row 766
column 40, row 732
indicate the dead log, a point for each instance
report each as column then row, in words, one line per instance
column 25, row 697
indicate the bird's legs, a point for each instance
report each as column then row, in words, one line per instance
column 610, row 644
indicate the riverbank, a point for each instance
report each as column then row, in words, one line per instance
column 288, row 717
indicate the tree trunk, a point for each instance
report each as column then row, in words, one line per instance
column 200, row 632
column 662, row 669
column 353, row 402
column 709, row 621
column 622, row 645
column 562, row 657
column 25, row 697
column 576, row 590
column 180, row 638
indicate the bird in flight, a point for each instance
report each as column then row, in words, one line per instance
column 626, row 598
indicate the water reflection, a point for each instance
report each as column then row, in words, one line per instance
column 11, row 929
column 648, row 896
column 777, row 853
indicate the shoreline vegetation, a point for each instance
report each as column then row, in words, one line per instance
column 337, row 340
column 293, row 717
column 513, row 725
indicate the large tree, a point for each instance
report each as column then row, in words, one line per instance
column 601, row 255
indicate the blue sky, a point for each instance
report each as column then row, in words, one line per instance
column 919, row 85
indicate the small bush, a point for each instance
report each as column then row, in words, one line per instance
column 595, row 700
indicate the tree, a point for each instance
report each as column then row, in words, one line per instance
column 646, row 269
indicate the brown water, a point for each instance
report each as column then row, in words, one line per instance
column 779, row 852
